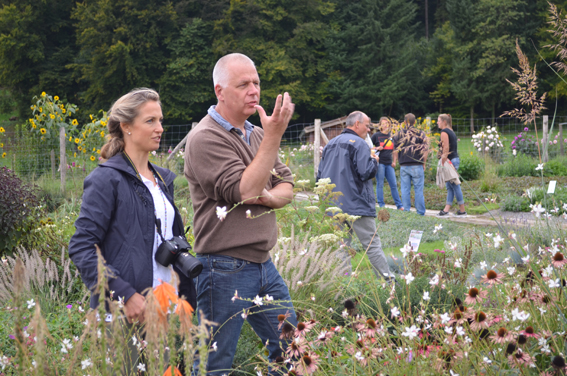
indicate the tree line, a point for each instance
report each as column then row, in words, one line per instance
column 385, row 57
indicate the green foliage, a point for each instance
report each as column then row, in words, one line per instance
column 17, row 206
column 471, row 167
column 521, row 165
column 516, row 204
column 186, row 84
column 556, row 167
column 7, row 104
column 380, row 72
column 122, row 46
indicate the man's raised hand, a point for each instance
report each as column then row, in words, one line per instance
column 276, row 124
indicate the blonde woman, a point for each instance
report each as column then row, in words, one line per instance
column 449, row 154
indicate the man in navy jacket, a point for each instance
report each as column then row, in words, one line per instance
column 347, row 161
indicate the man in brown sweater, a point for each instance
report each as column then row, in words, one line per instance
column 236, row 180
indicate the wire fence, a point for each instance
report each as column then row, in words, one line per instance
column 26, row 154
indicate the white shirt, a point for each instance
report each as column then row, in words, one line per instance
column 165, row 212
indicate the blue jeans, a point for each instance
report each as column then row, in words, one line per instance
column 216, row 286
column 415, row 175
column 454, row 190
column 388, row 172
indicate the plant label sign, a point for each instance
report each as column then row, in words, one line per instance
column 551, row 188
column 415, row 239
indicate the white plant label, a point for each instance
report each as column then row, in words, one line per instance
column 551, row 188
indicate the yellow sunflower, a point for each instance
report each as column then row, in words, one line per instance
column 75, row 122
column 4, row 155
column 52, row 116
column 1, row 145
column 98, row 151
column 80, row 148
column 40, row 109
column 75, row 155
column 92, row 158
column 43, row 131
column 63, row 110
column 101, row 133
column 84, row 151
column 34, row 126
column 77, row 140
column 56, row 98
column 71, row 138
column 2, row 130
column 103, row 123
column 43, row 93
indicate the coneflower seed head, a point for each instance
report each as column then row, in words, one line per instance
column 530, row 330
column 480, row 316
column 522, row 339
column 301, row 326
column 473, row 292
column 307, row 360
column 371, row 323
column 349, row 304
column 558, row 257
column 558, row 362
column 510, row 348
column 491, row 274
column 502, row 332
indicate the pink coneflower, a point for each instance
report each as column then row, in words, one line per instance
column 296, row 348
column 501, row 336
column 282, row 318
column 520, row 358
column 458, row 317
column 302, row 329
column 558, row 260
column 492, row 277
column 475, row 296
column 480, row 321
column 324, row 336
column 369, row 328
column 307, row 364
column 530, row 332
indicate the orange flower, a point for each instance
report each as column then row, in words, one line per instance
column 176, row 372
column 165, row 293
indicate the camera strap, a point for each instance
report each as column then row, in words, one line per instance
column 158, row 229
column 156, row 172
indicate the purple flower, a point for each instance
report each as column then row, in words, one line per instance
column 513, row 147
column 526, row 129
column 438, row 251
column 73, row 164
column 69, row 306
column 11, row 336
column 513, row 142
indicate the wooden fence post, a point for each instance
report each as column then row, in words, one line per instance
column 561, row 139
column 62, row 158
column 545, row 140
column 316, row 147
column 52, row 155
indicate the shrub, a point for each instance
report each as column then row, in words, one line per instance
column 556, row 167
column 471, row 167
column 516, row 204
column 17, row 204
column 521, row 165
column 525, row 144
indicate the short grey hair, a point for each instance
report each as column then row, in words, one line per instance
column 355, row 116
column 221, row 73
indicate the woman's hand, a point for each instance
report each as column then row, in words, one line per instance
column 135, row 308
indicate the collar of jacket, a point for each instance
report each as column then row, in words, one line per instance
column 118, row 162
column 348, row 130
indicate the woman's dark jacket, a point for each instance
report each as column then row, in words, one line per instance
column 118, row 215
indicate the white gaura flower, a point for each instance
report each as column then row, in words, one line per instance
column 221, row 212
column 445, row 318
column 31, row 304
column 395, row 312
column 519, row 315
column 257, row 300
column 458, row 263
column 409, row 278
column 483, row 265
column 437, row 228
column 435, row 280
column 554, row 283
column 248, row 213
column 497, row 240
column 426, row 295
column 411, row 332
column 511, row 270
column 142, row 367
column 86, row 363
column 539, row 167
